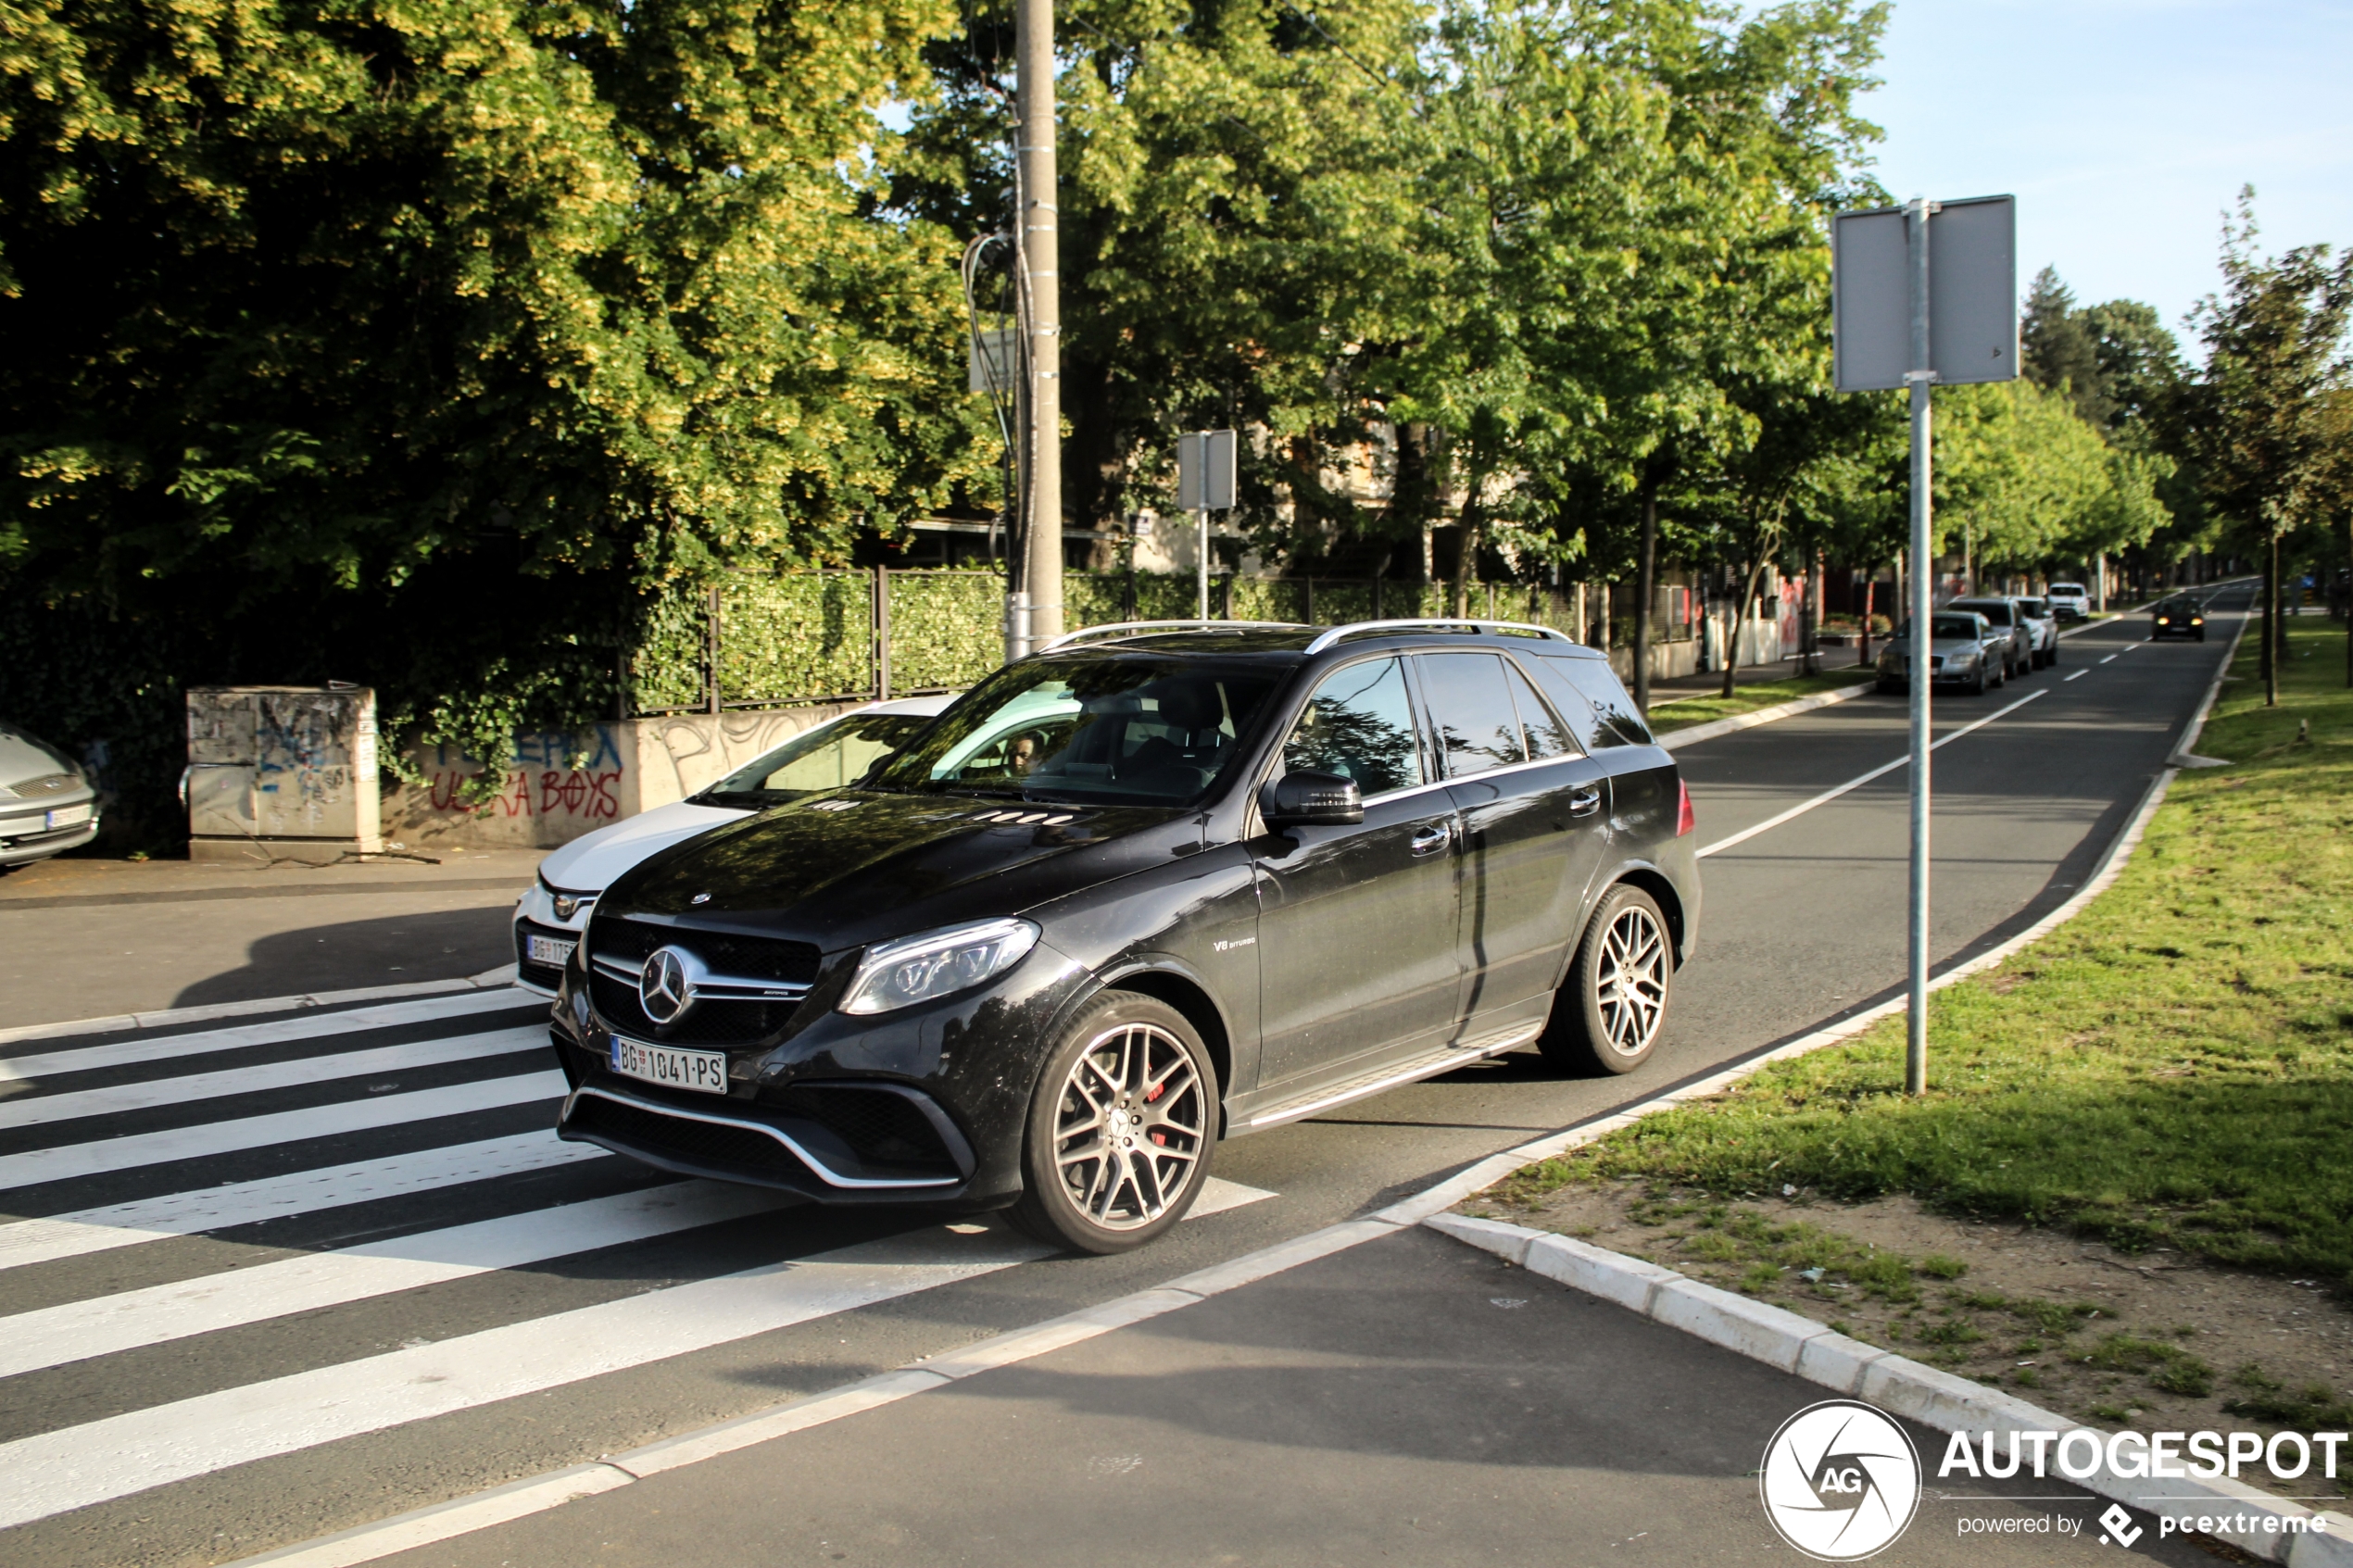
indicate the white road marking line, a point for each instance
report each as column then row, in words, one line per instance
column 168, row 1048
column 1830, row 795
column 1218, row 1195
column 301, row 1192
column 42, row 1109
column 2111, row 658
column 96, row 1158
column 104, row 1325
column 76, row 1466
column 501, row 979
column 2079, row 674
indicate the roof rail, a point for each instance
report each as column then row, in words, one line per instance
column 1490, row 627
column 1126, row 628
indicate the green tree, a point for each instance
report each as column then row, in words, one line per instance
column 304, row 306
column 2059, row 349
column 2258, row 416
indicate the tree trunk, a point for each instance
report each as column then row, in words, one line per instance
column 1645, row 595
column 1740, row 619
column 1466, row 556
column 2271, row 660
column 1871, row 591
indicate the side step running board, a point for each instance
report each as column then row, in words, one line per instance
column 1445, row 1059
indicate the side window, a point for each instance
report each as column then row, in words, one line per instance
column 1547, row 736
column 1470, row 706
column 1360, row 725
column 1595, row 688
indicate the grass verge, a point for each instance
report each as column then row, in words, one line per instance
column 2174, row 1066
column 1683, row 712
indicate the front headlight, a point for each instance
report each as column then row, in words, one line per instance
column 938, row 963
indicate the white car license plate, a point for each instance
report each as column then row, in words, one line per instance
column 552, row 950
column 704, row 1072
column 66, row 816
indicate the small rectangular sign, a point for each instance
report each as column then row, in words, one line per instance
column 1205, row 471
column 1972, row 294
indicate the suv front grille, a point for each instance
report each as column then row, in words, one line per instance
column 724, row 952
column 710, row 1022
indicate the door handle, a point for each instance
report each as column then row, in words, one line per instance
column 1432, row 837
column 1585, row 801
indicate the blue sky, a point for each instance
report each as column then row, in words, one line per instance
column 2125, row 128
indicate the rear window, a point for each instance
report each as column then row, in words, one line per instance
column 1587, row 690
column 2067, row 590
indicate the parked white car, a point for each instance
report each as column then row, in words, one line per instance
column 2069, row 602
column 45, row 804
column 551, row 916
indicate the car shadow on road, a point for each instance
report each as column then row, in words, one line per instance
column 347, row 954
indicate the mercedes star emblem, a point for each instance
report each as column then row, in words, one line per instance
column 663, row 989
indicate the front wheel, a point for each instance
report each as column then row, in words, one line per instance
column 1120, row 1128
column 1608, row 1014
column 1977, row 688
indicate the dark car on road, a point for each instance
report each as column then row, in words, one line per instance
column 1154, row 886
column 2178, row 617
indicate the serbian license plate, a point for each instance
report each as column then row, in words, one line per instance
column 704, row 1072
column 66, row 816
column 553, row 951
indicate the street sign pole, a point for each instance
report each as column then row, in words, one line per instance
column 1890, row 331
column 1920, row 377
column 1205, row 468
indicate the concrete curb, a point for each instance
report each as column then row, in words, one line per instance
column 489, row 979
column 1798, row 1345
column 1675, row 740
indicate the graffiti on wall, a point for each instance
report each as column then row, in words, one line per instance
column 573, row 778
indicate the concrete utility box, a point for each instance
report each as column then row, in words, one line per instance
column 282, row 773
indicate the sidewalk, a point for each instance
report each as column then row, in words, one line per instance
column 1409, row 1401
column 200, row 934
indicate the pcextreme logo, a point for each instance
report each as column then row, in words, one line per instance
column 1840, row 1481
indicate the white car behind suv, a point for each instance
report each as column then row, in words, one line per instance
column 551, row 916
column 2069, row 602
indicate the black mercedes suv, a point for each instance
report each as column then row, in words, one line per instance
column 1156, row 885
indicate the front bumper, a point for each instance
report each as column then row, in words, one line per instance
column 536, row 916
column 1946, row 674
column 30, row 841
column 927, row 1105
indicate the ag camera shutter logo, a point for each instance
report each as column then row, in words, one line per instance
column 1840, row 1481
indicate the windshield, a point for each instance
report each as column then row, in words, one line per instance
column 1948, row 629
column 1995, row 610
column 1119, row 729
column 2033, row 609
column 825, row 757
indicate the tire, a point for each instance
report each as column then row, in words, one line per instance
column 1130, row 1070
column 1977, row 688
column 1608, row 1014
column 2050, row 660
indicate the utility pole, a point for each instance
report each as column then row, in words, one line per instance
column 1918, row 378
column 1041, row 284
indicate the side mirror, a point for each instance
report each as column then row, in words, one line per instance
column 1301, row 799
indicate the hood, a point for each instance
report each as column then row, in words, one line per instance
column 22, row 758
column 590, row 864
column 854, row 867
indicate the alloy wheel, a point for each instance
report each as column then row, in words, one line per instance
column 1132, row 1123
column 1629, row 982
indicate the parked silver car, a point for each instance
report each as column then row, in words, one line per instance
column 1964, row 650
column 2002, row 613
column 2045, row 622
column 45, row 804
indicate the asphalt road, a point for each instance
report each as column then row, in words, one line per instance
column 373, row 1302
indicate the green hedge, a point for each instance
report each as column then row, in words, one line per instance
column 803, row 636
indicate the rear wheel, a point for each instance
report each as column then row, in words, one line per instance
column 1977, row 688
column 1120, row 1128
column 1608, row 1014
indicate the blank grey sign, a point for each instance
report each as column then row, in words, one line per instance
column 1870, row 310
column 1972, row 289
column 1205, row 471
column 1972, row 294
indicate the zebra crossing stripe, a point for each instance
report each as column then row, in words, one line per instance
column 77, row 1466
column 105, row 1324
column 63, row 1161
column 38, row 1110
column 35, row 1065
column 270, row 1198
